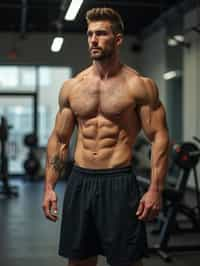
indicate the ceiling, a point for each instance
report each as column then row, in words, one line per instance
column 25, row 16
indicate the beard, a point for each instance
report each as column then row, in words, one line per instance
column 101, row 54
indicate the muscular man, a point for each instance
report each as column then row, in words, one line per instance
column 109, row 103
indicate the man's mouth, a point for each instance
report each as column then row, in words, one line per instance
column 95, row 48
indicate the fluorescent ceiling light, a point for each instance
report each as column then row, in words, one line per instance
column 171, row 74
column 73, row 9
column 179, row 38
column 172, row 42
column 57, row 44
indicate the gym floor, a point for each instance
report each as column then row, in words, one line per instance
column 27, row 238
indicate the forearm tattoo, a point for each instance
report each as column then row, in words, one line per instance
column 57, row 163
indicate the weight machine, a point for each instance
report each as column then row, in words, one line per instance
column 185, row 156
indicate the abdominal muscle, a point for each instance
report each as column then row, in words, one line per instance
column 103, row 143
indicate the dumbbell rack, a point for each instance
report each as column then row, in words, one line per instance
column 5, row 189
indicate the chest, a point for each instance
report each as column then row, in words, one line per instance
column 107, row 99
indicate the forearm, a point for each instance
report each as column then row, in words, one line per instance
column 159, row 161
column 55, row 161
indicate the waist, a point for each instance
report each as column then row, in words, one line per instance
column 106, row 171
column 103, row 159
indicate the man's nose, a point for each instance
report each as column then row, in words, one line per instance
column 94, row 39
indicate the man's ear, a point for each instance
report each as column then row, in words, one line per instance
column 119, row 39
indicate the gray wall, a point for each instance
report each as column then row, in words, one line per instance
column 152, row 61
column 192, row 79
column 191, row 87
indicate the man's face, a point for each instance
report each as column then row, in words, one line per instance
column 101, row 39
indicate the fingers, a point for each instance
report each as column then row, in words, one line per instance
column 51, row 210
column 147, row 213
column 54, row 210
column 140, row 208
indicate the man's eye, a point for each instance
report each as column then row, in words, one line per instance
column 101, row 33
column 89, row 34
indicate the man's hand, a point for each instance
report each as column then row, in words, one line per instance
column 50, row 205
column 150, row 205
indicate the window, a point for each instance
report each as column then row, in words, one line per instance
column 9, row 77
column 19, row 110
column 50, row 82
column 27, row 78
column 17, row 78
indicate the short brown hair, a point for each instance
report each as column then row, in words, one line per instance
column 105, row 13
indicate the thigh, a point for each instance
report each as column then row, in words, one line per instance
column 78, row 234
column 92, row 261
column 122, row 235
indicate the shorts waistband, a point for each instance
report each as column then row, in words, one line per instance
column 108, row 171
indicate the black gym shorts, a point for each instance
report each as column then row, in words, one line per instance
column 99, row 216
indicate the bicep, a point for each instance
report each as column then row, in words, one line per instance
column 65, row 120
column 153, row 121
column 64, row 125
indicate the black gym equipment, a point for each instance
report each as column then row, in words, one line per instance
column 5, row 189
column 185, row 158
column 186, row 155
column 32, row 163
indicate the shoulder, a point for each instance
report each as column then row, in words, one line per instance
column 130, row 73
column 133, row 78
column 66, row 88
column 69, row 85
column 143, row 89
column 83, row 74
column 64, row 94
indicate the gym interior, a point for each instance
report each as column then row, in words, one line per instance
column 162, row 41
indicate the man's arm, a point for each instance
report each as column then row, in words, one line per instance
column 57, row 151
column 153, row 121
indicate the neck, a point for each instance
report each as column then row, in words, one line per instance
column 106, row 68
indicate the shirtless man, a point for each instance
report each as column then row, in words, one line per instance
column 110, row 103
